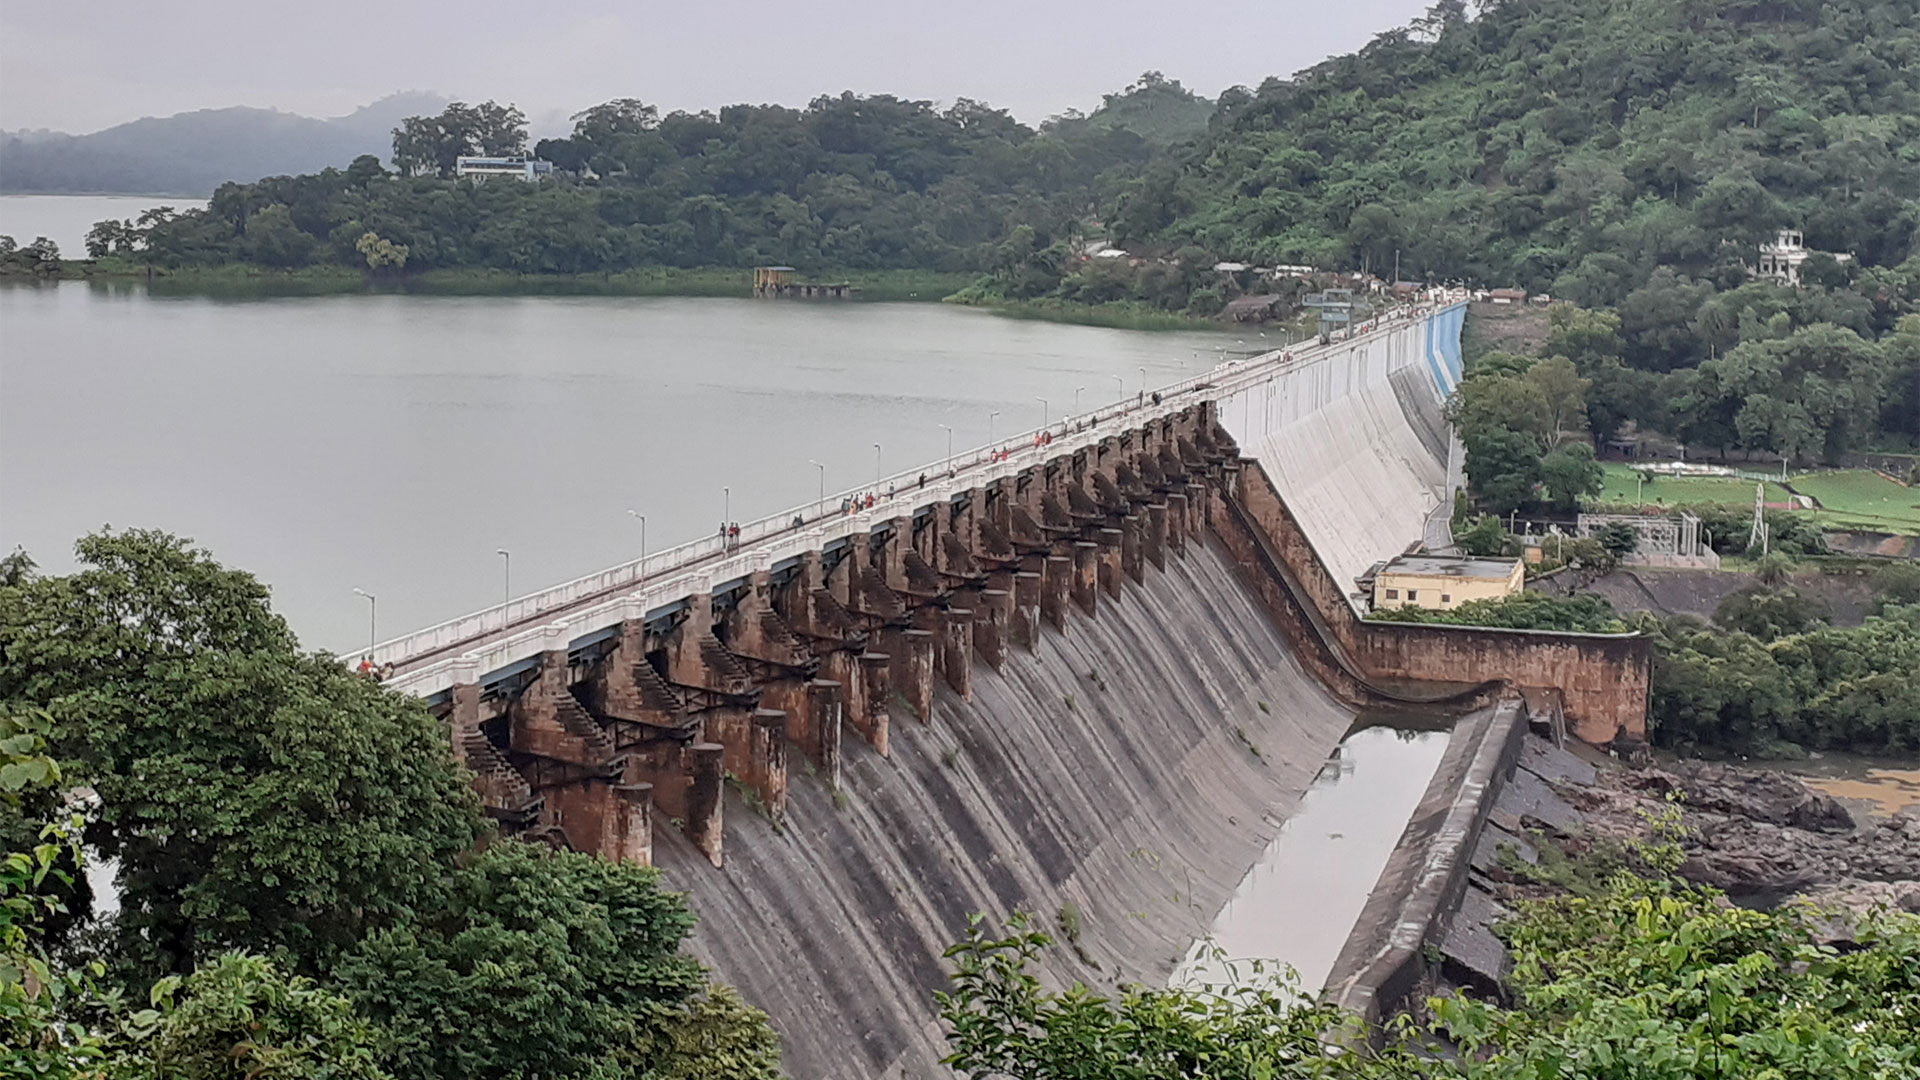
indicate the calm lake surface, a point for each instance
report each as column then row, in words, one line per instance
column 394, row 443
column 65, row 219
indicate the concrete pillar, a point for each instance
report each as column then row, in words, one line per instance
column 1153, row 541
column 1177, row 524
column 767, row 759
column 843, row 667
column 1086, row 576
column 1055, row 585
column 465, row 718
column 628, row 825
column 1199, row 511
column 1111, row 572
column 824, row 713
column 875, row 689
column 911, row 668
column 1132, row 526
column 933, row 620
column 732, row 727
column 990, row 620
column 956, row 644
column 1025, row 621
column 705, row 769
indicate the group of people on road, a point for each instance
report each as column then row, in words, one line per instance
column 730, row 534
column 369, row 670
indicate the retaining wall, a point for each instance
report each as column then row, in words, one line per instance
column 1603, row 679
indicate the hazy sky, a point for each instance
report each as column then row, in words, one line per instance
column 83, row 66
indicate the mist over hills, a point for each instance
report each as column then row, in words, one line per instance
column 193, row 153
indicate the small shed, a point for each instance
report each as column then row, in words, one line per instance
column 1254, row 309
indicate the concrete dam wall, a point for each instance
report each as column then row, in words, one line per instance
column 1110, row 773
column 1087, row 680
column 1354, row 438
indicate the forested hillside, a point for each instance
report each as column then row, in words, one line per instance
column 848, row 182
column 1570, row 145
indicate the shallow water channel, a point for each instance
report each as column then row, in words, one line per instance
column 1299, row 902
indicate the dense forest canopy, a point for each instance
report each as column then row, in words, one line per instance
column 848, row 182
column 1572, row 146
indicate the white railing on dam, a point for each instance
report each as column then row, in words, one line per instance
column 430, row 660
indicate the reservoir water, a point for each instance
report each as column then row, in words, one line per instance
column 66, row 219
column 1299, row 903
column 395, row 443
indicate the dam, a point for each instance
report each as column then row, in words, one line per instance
column 1086, row 673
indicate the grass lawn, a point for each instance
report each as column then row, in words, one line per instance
column 1680, row 490
column 1863, row 499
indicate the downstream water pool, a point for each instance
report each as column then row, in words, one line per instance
column 396, row 443
column 1298, row 904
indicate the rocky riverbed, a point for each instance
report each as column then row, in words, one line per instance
column 1761, row 836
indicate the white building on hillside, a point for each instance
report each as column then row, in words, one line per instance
column 520, row 168
column 1780, row 261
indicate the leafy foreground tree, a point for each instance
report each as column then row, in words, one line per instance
column 297, row 866
column 1644, row 981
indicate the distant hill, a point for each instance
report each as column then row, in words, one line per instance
column 1156, row 108
column 193, row 153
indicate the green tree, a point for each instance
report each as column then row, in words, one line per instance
column 1814, row 392
column 1570, row 474
column 1503, row 467
column 1564, row 391
column 255, row 798
column 575, row 960
column 1494, row 403
column 242, row 1018
column 1768, row 613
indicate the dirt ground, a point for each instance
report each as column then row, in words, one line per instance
column 1514, row 328
column 1700, row 592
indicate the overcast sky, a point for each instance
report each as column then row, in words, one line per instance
column 79, row 67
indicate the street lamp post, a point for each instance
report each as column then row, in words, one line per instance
column 823, row 483
column 990, row 419
column 1076, row 399
column 876, row 467
column 1119, row 386
column 1143, row 381
column 1043, row 411
column 506, row 572
column 373, row 619
column 642, row 519
column 949, row 446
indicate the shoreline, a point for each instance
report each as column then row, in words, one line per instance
column 883, row 286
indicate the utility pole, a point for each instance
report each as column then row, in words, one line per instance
column 823, row 483
column 506, row 572
column 642, row 518
column 373, row 619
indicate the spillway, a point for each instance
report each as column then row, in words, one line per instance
column 1112, row 773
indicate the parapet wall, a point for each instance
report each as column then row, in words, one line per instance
column 1602, row 679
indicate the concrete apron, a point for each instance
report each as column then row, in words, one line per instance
column 1425, row 877
column 1299, row 904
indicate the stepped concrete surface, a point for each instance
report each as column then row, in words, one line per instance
column 1107, row 783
